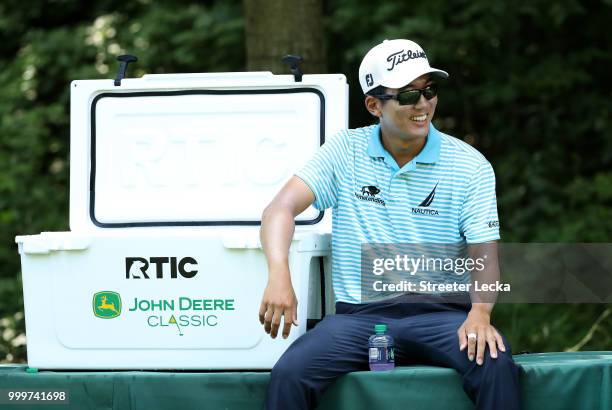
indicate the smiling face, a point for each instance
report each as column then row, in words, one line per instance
column 404, row 122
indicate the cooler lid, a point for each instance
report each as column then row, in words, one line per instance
column 196, row 156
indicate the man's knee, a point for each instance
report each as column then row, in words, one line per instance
column 502, row 363
column 493, row 371
column 292, row 365
column 285, row 369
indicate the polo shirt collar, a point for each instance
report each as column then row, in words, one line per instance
column 428, row 155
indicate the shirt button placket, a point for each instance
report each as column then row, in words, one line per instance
column 390, row 187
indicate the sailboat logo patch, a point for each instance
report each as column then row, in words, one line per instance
column 423, row 207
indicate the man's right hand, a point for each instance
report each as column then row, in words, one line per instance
column 278, row 302
column 277, row 228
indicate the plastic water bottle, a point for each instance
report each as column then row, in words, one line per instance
column 382, row 355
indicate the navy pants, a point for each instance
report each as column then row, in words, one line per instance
column 424, row 333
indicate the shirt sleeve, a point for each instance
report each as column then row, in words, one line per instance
column 322, row 171
column 478, row 219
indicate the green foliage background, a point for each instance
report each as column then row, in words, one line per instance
column 529, row 87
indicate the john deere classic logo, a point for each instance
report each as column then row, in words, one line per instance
column 106, row 304
column 173, row 313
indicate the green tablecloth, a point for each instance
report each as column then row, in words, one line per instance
column 548, row 380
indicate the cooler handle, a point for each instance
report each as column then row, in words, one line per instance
column 45, row 243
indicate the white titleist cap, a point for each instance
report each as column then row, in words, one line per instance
column 394, row 64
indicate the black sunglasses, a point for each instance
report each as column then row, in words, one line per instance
column 411, row 97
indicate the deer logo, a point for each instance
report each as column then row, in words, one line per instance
column 106, row 304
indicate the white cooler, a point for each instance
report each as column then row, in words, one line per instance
column 163, row 268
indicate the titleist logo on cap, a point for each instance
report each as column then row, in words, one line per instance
column 401, row 57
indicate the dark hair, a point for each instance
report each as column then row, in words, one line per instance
column 376, row 91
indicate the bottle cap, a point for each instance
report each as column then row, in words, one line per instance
column 380, row 328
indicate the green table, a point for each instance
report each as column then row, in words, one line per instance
column 548, row 380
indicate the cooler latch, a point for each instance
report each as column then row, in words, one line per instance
column 124, row 59
column 294, row 64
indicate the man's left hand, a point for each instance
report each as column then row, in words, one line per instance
column 477, row 332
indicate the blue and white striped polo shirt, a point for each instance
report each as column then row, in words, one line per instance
column 445, row 195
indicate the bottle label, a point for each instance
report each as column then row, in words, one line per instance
column 381, row 354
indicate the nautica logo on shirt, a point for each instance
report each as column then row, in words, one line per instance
column 425, row 204
column 368, row 193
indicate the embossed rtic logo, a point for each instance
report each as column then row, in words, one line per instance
column 368, row 193
column 369, row 80
column 426, row 203
column 106, row 304
column 138, row 268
